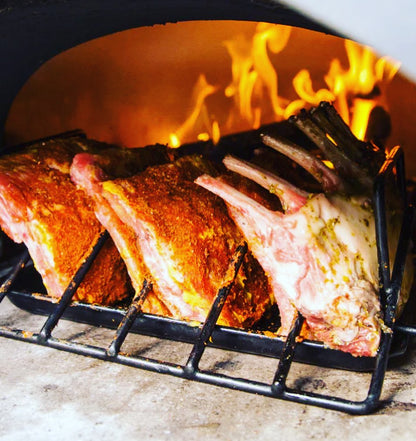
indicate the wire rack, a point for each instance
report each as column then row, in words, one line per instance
column 209, row 334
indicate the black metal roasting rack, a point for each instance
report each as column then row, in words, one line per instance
column 209, row 334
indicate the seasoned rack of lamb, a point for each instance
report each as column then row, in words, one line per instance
column 320, row 253
column 313, row 253
column 41, row 207
column 177, row 236
column 60, row 220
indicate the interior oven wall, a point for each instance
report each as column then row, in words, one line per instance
column 134, row 88
column 33, row 31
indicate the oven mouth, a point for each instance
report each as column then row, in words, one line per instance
column 17, row 274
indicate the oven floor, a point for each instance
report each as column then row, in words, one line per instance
column 46, row 394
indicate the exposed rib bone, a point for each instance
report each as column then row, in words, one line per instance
column 318, row 136
column 329, row 119
column 291, row 197
column 261, row 227
column 356, row 161
column 325, row 176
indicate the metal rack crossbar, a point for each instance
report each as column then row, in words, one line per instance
column 203, row 336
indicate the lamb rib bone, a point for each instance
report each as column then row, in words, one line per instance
column 324, row 175
column 355, row 161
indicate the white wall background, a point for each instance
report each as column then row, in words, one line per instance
column 388, row 26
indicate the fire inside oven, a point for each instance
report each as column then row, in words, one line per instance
column 214, row 87
column 189, row 81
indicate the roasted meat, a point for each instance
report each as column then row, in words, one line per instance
column 89, row 171
column 319, row 253
column 40, row 206
column 178, row 236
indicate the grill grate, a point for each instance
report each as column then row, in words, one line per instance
column 210, row 334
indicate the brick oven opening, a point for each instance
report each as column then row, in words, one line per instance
column 181, row 83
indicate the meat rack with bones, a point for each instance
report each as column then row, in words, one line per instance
column 340, row 146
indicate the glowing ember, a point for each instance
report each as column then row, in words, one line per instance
column 328, row 164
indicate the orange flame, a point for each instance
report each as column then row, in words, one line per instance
column 199, row 111
column 253, row 73
column 303, row 86
column 357, row 88
column 253, row 89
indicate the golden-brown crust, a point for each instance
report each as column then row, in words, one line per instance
column 39, row 184
column 194, row 226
